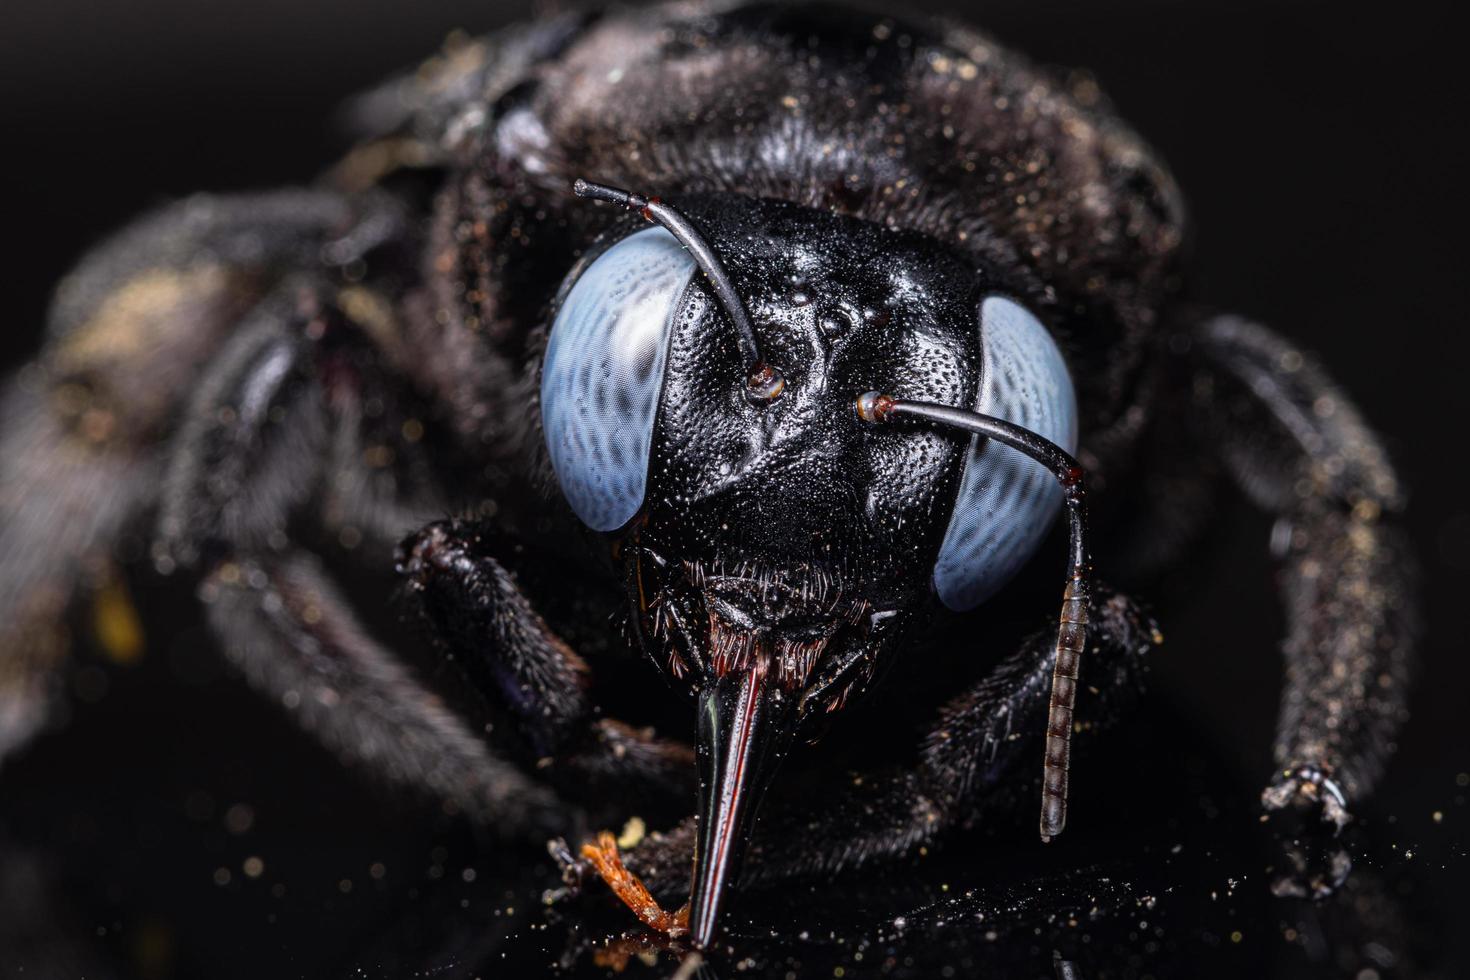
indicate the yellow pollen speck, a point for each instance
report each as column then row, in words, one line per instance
column 633, row 832
column 117, row 626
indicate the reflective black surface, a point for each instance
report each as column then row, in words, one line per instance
column 178, row 848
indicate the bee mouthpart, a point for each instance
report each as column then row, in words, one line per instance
column 746, row 726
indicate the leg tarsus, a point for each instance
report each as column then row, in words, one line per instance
column 1307, row 788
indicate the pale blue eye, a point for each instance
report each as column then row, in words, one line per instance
column 1007, row 501
column 604, row 370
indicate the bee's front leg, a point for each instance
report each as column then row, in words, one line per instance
column 481, row 622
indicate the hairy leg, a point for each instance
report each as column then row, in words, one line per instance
column 81, row 428
column 249, row 445
column 1299, row 450
column 479, row 620
column 273, row 446
column 300, row 407
column 296, row 639
column 974, row 747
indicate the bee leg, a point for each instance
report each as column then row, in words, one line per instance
column 279, row 422
column 479, row 620
column 293, row 635
column 248, row 449
column 250, row 471
column 128, row 331
column 1299, row 450
column 968, row 765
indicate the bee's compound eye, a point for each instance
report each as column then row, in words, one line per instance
column 604, row 370
column 1006, row 501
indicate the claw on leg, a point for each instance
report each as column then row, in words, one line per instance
column 1308, row 812
column 1310, row 789
column 626, row 886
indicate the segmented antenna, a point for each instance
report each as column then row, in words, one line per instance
column 1072, row 628
column 764, row 381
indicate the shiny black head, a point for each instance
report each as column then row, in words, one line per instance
column 793, row 517
column 775, row 544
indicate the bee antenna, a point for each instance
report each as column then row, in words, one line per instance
column 764, row 382
column 1076, row 595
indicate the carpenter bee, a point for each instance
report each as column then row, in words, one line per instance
column 785, row 331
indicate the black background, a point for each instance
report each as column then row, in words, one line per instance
column 1320, row 153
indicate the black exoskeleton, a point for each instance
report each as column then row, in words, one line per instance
column 897, row 298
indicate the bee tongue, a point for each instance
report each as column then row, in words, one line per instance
column 746, row 724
